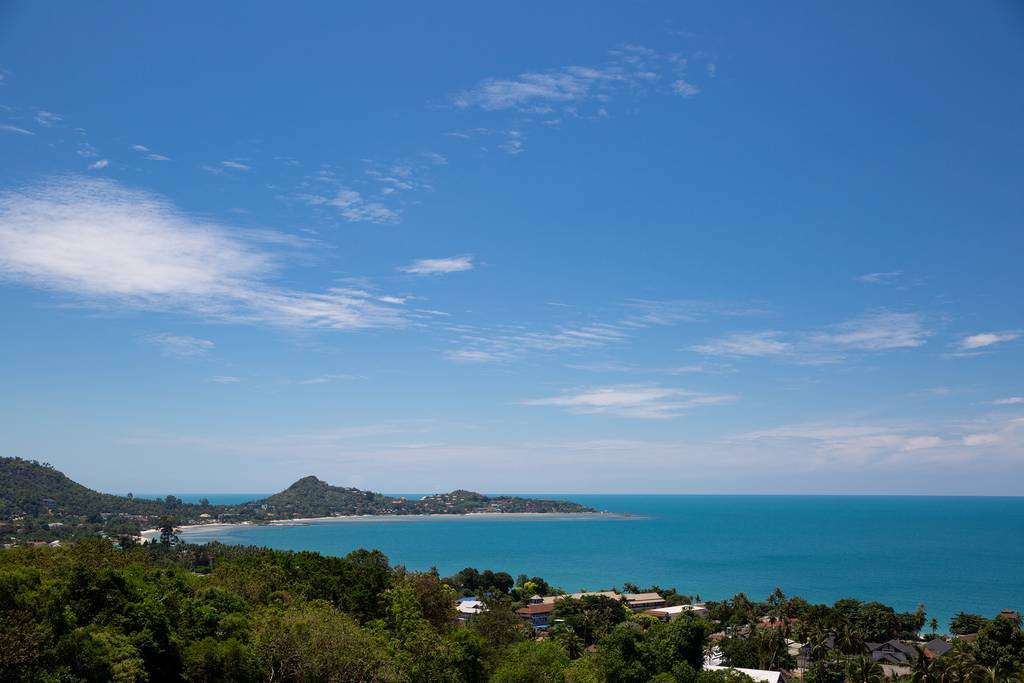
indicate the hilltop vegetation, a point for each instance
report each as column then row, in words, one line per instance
column 165, row 612
column 37, row 502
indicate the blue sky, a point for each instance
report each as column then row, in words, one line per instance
column 649, row 247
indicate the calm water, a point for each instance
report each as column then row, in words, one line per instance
column 951, row 554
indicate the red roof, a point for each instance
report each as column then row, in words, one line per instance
column 530, row 610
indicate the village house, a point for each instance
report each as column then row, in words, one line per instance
column 538, row 611
column 892, row 652
column 936, row 647
column 468, row 608
column 673, row 612
column 759, row 675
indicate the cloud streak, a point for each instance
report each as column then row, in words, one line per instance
column 439, row 266
column 96, row 241
column 878, row 331
column 632, row 400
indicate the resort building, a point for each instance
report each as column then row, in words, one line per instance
column 672, row 613
column 757, row 674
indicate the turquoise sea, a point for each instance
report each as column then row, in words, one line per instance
column 951, row 554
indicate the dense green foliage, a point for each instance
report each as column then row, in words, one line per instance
column 163, row 612
column 39, row 503
column 90, row 612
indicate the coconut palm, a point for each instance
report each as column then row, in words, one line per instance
column 863, row 669
column 991, row 674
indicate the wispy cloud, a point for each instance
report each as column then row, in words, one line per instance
column 437, row 266
column 106, row 245
column 628, row 68
column 754, row 344
column 225, row 379
column 887, row 278
column 323, row 379
column 683, row 87
column 353, row 207
column 877, row 331
column 180, row 345
column 99, row 165
column 153, row 156
column 1009, row 401
column 632, row 400
column 47, row 119
column 8, row 128
column 862, row 442
column 235, row 165
column 986, row 339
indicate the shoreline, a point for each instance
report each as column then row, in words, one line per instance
column 187, row 529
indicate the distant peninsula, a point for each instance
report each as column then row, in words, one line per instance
column 39, row 503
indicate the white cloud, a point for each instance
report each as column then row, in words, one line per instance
column 97, row 241
column 15, row 129
column 99, row 165
column 436, row 266
column 876, row 332
column 235, row 165
column 513, row 143
column 47, row 118
column 435, row 158
column 323, row 379
column 1011, row 401
column 629, row 68
column 879, row 331
column 353, row 207
column 225, row 379
column 153, row 156
column 477, row 356
column 755, row 344
column 684, row 88
column 982, row 439
column 888, row 278
column 984, row 339
column 638, row 401
column 180, row 345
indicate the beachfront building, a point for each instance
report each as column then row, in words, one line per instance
column 538, row 611
column 638, row 602
column 538, row 614
column 673, row 612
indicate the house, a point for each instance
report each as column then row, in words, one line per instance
column 757, row 674
column 773, row 622
column 1010, row 615
column 469, row 608
column 892, row 652
column 936, row 647
column 538, row 611
column 638, row 602
column 672, row 613
column 538, row 614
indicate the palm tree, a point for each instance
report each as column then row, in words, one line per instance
column 991, row 674
column 925, row 669
column 849, row 641
column 863, row 669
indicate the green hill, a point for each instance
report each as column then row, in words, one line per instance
column 34, row 489
column 37, row 502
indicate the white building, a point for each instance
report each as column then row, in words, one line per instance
column 756, row 674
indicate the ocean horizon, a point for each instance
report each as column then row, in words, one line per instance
column 950, row 553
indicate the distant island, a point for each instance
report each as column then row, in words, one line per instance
column 40, row 503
